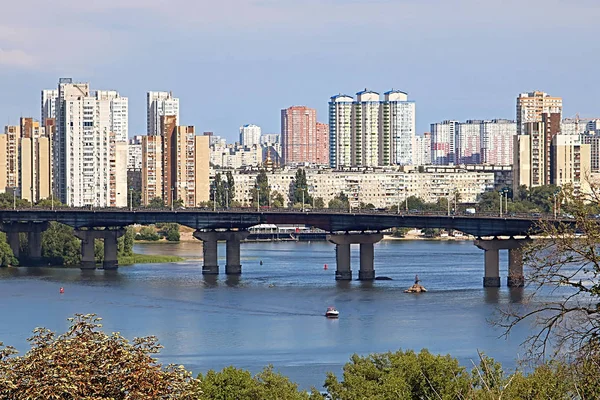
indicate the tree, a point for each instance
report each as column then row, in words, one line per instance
column 277, row 199
column 401, row 375
column 134, row 198
column 8, row 200
column 6, row 254
column 49, row 203
column 319, row 203
column 233, row 383
column 156, row 202
column 60, row 246
column 125, row 243
column 147, row 233
column 85, row 362
column 566, row 260
column 230, row 188
column 301, row 188
column 261, row 188
column 170, row 232
column 339, row 202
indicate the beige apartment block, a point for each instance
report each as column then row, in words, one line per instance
column 152, row 161
column 571, row 163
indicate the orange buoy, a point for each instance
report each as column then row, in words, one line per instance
column 62, row 290
column 325, row 266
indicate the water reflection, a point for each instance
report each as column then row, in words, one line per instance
column 516, row 294
column 211, row 281
column 232, row 280
column 492, row 295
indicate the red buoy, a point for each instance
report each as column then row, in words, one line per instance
column 325, row 266
column 62, row 290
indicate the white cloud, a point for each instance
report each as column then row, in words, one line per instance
column 16, row 58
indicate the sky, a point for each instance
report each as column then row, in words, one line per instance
column 236, row 62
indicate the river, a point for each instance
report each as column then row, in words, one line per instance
column 273, row 314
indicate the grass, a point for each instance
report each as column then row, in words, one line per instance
column 148, row 259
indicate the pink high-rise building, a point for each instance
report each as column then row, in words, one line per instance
column 303, row 140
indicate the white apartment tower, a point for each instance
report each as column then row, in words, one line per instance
column 422, row 149
column 86, row 154
column 443, row 139
column 397, row 127
column 160, row 104
column 365, row 129
column 250, row 135
column 468, row 142
column 340, row 131
column 49, row 97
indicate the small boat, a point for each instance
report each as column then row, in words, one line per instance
column 332, row 312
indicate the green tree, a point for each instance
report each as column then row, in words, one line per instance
column 401, row 375
column 7, row 200
column 217, row 192
column 339, row 202
column 49, row 203
column 230, row 188
column 261, row 189
column 319, row 203
column 147, row 233
column 156, row 202
column 125, row 243
column 134, row 198
column 170, row 232
column 301, row 188
column 6, row 254
column 233, row 383
column 60, row 246
column 86, row 363
column 277, row 199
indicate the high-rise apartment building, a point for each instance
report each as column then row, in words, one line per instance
column 365, row 129
column 497, row 138
column 370, row 132
column 443, row 140
column 322, row 144
column 468, row 142
column 398, row 126
column 25, row 160
column 303, row 139
column 134, row 153
column 49, row 97
column 159, row 104
column 531, row 106
column 422, row 149
column 85, row 152
column 570, row 163
column 250, row 135
column 175, row 165
column 340, row 131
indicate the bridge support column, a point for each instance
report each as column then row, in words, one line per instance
column 515, row 268
column 109, row 237
column 233, row 264
column 88, row 259
column 367, row 254
column 12, row 237
column 343, row 270
column 209, row 252
column 367, row 261
column 515, row 261
column 111, row 249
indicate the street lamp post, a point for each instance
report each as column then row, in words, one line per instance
column 302, row 200
column 130, row 199
column 500, row 193
column 214, row 199
column 14, row 198
column 172, row 198
column 257, row 198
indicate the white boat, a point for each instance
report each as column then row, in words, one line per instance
column 332, row 312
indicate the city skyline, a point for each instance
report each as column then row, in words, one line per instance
column 245, row 58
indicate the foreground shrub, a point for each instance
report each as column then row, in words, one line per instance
column 86, row 363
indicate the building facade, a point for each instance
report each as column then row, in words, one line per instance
column 340, row 131
column 443, row 138
column 85, row 152
column 250, row 135
column 303, row 139
column 422, row 149
column 398, row 126
column 531, row 106
column 571, row 163
column 159, row 104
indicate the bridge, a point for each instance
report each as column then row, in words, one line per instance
column 362, row 228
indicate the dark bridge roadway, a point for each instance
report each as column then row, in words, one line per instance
column 476, row 225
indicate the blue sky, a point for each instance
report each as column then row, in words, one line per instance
column 233, row 62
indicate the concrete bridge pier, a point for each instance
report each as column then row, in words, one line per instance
column 492, row 248
column 209, row 251
column 367, row 254
column 34, row 232
column 233, row 264
column 109, row 237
